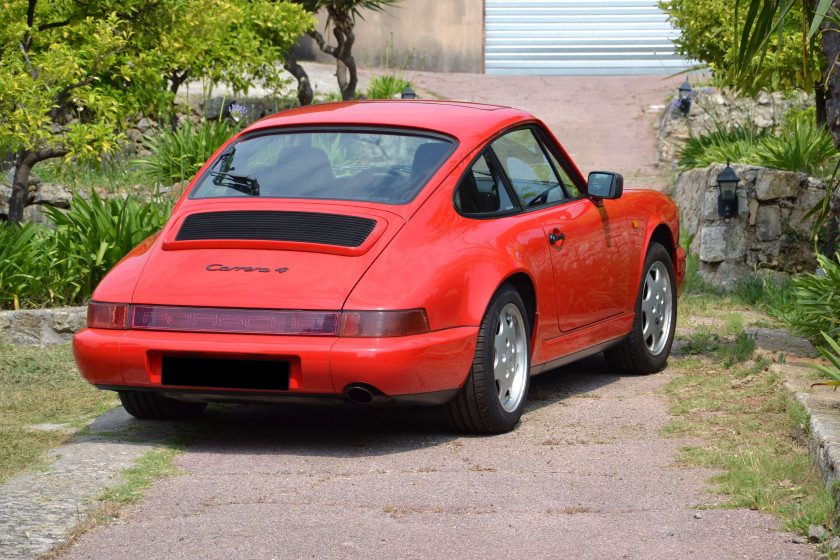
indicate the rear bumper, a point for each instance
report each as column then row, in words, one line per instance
column 401, row 368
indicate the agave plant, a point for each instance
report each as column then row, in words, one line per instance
column 834, row 358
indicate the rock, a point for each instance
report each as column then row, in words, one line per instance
column 764, row 98
column 834, row 544
column 34, row 213
column 698, row 515
column 809, row 197
column 725, row 274
column 69, row 321
column 753, row 210
column 713, row 244
column 817, row 533
column 33, row 178
column 53, row 194
column 134, row 135
column 216, row 107
column 773, row 183
column 768, row 222
column 41, row 327
column 143, row 125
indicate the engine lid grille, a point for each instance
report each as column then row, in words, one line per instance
column 273, row 225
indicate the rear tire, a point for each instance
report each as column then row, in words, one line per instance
column 493, row 397
column 148, row 405
column 646, row 348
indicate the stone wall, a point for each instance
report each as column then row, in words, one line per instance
column 40, row 195
column 711, row 109
column 767, row 235
column 41, row 327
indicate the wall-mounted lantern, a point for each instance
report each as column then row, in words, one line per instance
column 728, row 199
column 408, row 93
column 685, row 98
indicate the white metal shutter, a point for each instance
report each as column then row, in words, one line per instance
column 578, row 37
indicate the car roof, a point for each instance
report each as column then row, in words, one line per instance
column 459, row 119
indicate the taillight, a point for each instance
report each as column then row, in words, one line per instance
column 350, row 324
column 376, row 324
column 107, row 315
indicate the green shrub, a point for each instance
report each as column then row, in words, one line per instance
column 833, row 356
column 41, row 267
column 737, row 144
column 707, row 34
column 802, row 146
column 178, row 155
column 93, row 236
column 21, row 273
column 386, row 87
column 816, row 308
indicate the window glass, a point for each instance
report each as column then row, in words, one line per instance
column 387, row 167
column 480, row 190
column 570, row 186
column 531, row 175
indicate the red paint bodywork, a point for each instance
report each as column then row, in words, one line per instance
column 421, row 255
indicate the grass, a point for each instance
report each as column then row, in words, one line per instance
column 151, row 465
column 42, row 386
column 747, row 419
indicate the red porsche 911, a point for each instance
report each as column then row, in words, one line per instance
column 387, row 252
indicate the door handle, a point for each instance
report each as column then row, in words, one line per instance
column 554, row 238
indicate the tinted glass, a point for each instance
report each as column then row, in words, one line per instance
column 568, row 184
column 343, row 165
column 531, row 175
column 481, row 190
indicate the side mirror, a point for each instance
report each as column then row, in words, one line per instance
column 605, row 184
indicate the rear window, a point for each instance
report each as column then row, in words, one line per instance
column 370, row 166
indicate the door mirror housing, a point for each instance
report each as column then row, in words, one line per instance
column 605, row 184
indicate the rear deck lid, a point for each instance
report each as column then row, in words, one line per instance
column 306, row 257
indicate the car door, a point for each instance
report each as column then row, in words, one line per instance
column 587, row 238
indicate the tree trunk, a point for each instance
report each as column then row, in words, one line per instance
column 20, row 187
column 831, row 49
column 343, row 31
column 342, row 21
column 24, row 162
column 819, row 104
column 304, row 87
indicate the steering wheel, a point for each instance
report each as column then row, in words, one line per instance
column 541, row 198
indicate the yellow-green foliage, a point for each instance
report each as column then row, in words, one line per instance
column 708, row 34
column 70, row 72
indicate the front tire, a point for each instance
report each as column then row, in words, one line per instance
column 493, row 397
column 148, row 405
column 646, row 348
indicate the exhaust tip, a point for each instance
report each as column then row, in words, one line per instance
column 362, row 394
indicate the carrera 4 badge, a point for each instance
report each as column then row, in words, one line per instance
column 223, row 268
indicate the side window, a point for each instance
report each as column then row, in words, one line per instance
column 531, row 175
column 571, row 188
column 481, row 191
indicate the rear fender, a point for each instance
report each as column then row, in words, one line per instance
column 451, row 266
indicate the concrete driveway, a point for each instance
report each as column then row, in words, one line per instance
column 586, row 475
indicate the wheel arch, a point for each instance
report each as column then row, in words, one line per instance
column 524, row 285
